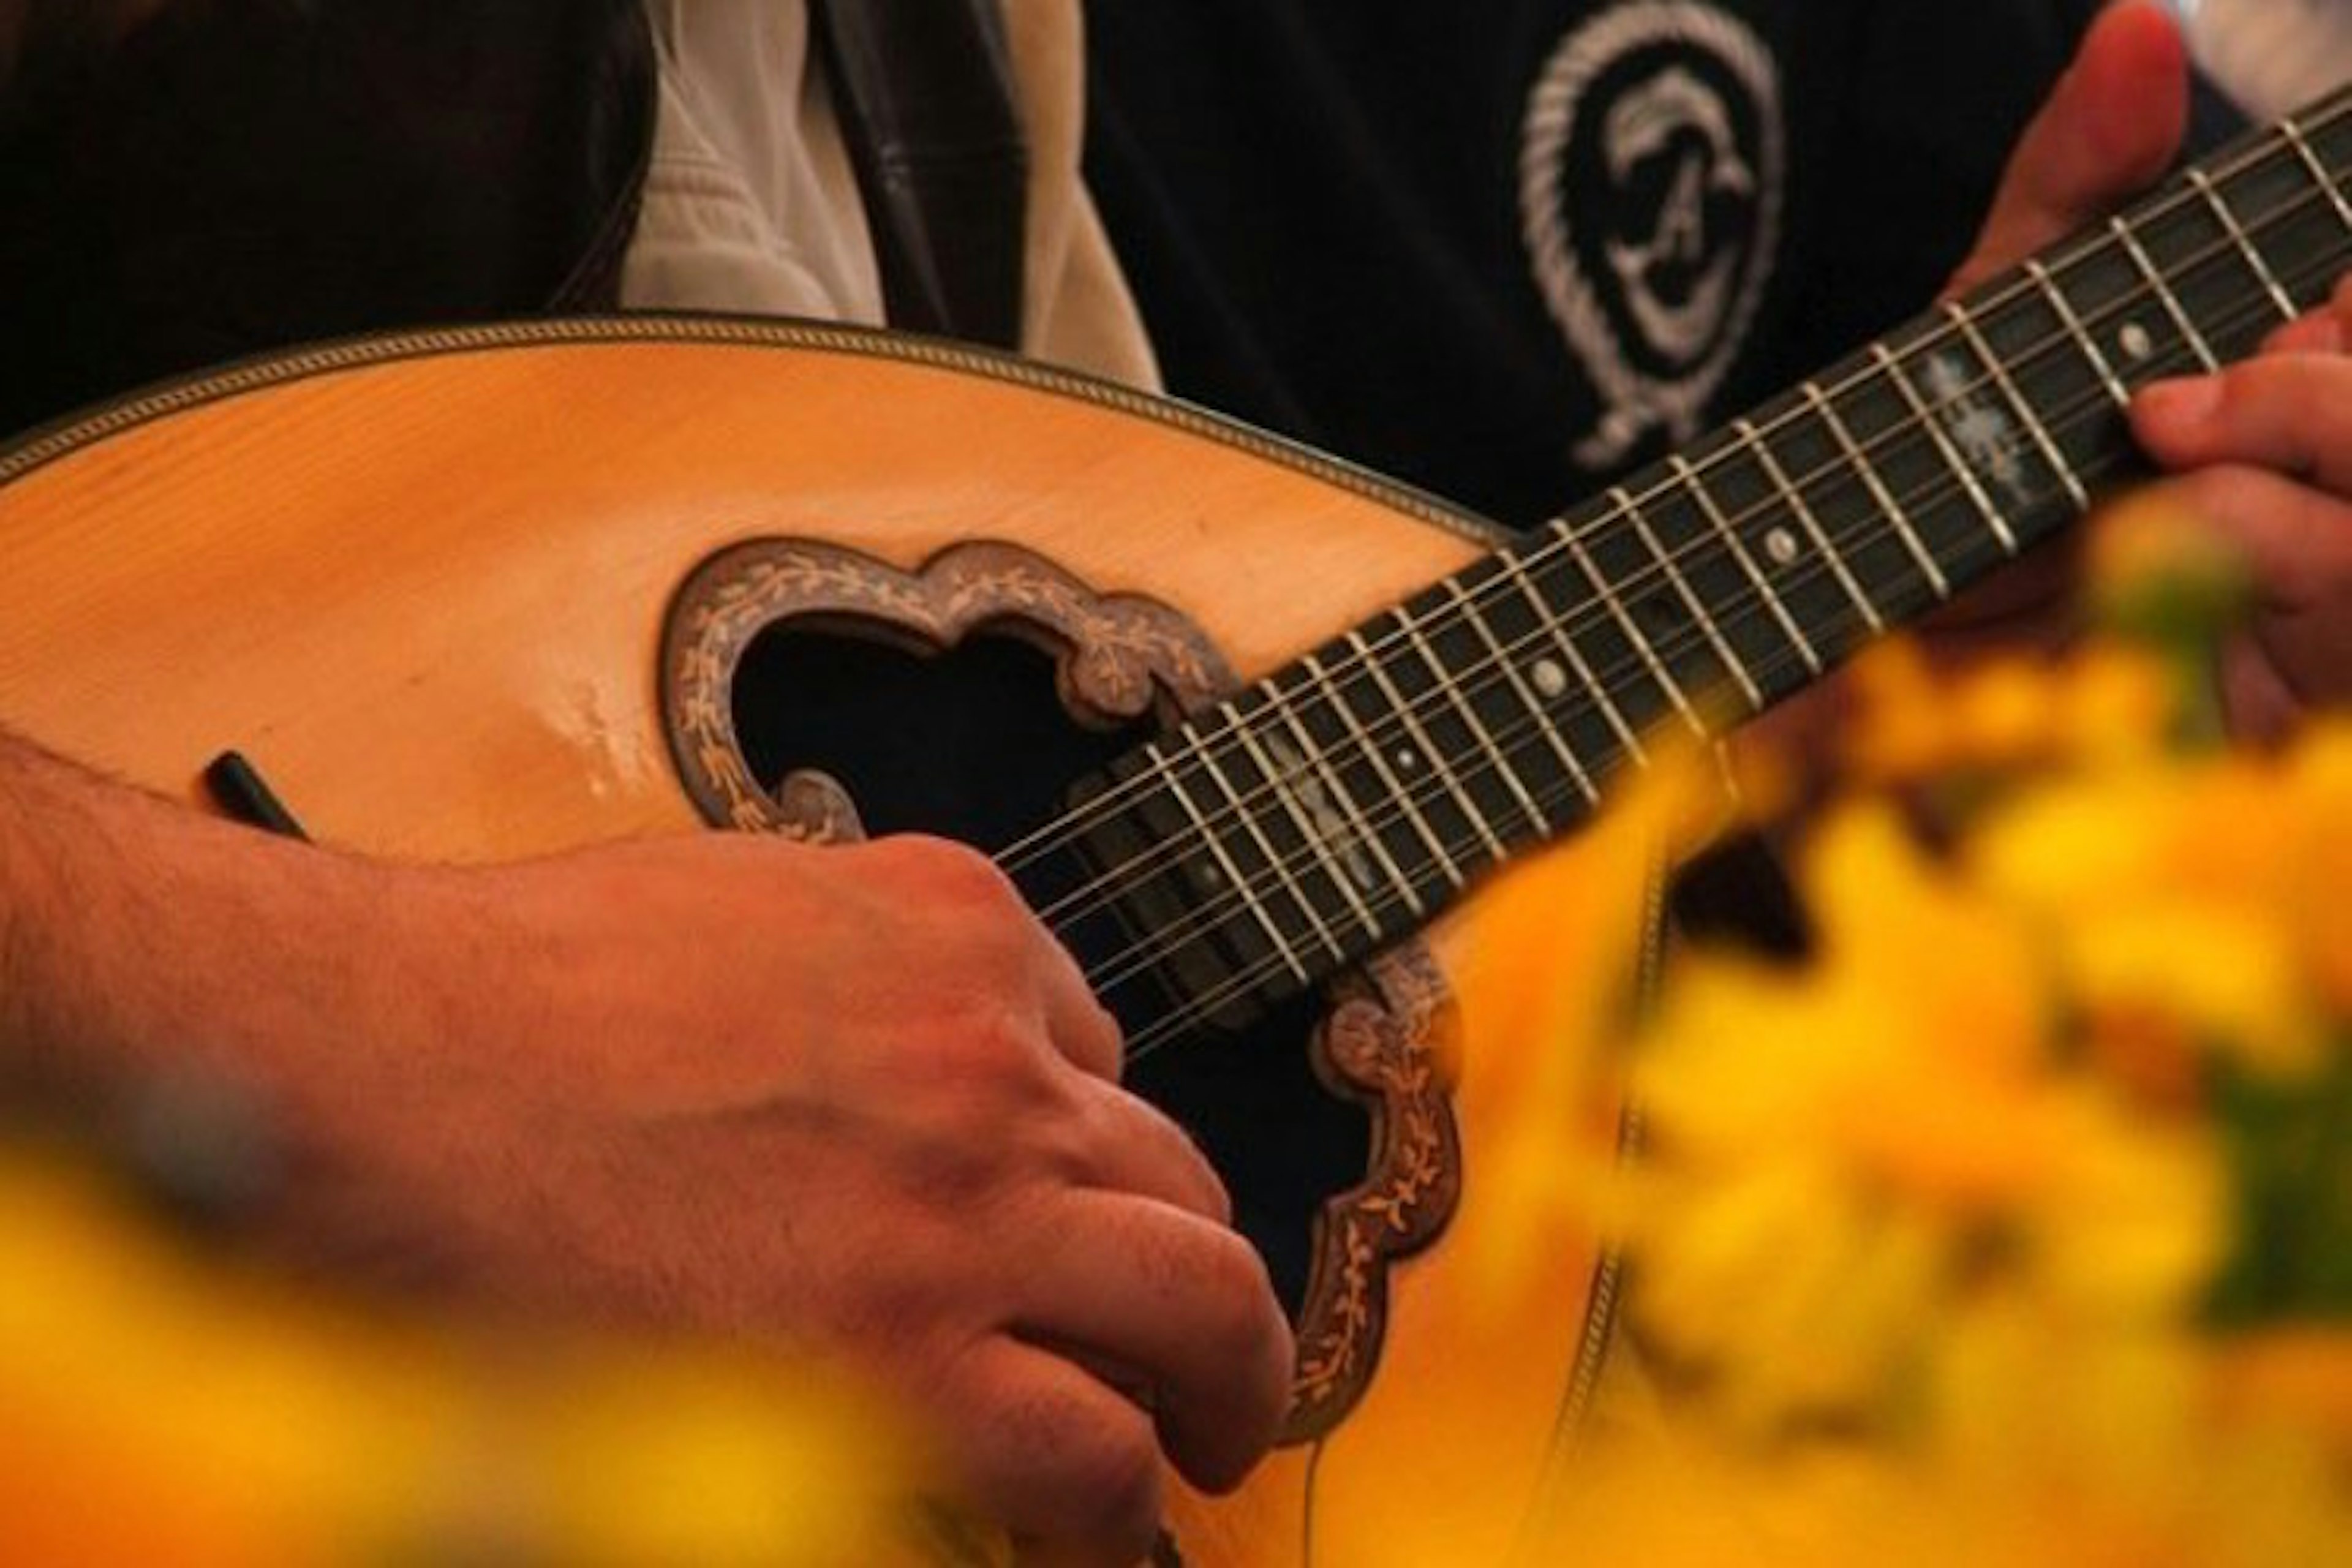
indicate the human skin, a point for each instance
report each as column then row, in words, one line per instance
column 848, row 1101
column 2258, row 454
column 695, row 1084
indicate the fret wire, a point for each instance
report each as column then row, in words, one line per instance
column 2189, row 332
column 1231, row 990
column 1470, row 720
column 1780, row 477
column 1961, row 318
column 1430, row 753
column 1555, row 625
column 1509, row 667
column 1952, row 459
column 1244, row 889
column 2279, row 296
column 1698, row 613
column 1993, row 364
column 1274, row 858
column 1634, row 634
column 1333, row 863
column 1711, row 499
column 2294, row 133
column 1313, row 665
column 1691, row 482
column 1158, row 1030
column 1313, row 756
column 1886, row 503
column 2073, row 325
column 2071, row 414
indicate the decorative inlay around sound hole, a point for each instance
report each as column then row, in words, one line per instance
column 1116, row 658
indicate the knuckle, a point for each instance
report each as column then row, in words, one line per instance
column 1096, row 1041
column 1237, row 1294
column 979, row 930
column 950, row 1093
column 983, row 1034
column 1001, row 1062
column 1064, row 1136
column 956, row 874
column 1207, row 1188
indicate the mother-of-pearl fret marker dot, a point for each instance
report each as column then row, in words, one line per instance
column 1550, row 681
column 2136, row 341
column 1406, row 761
column 1781, row 546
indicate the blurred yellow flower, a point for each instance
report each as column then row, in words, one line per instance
column 166, row 1410
column 2111, row 705
column 1552, row 990
column 1932, row 1235
column 2167, row 893
column 2316, row 898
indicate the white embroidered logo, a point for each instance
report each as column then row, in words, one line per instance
column 1672, row 109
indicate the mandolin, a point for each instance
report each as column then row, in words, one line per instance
column 1249, row 726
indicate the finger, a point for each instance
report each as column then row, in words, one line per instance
column 2297, row 541
column 1061, row 1460
column 1135, row 1147
column 1081, row 1028
column 985, row 920
column 2293, row 654
column 1175, row 1304
column 2321, row 331
column 1077, row 1026
column 2109, row 129
column 2318, row 333
column 2262, row 705
column 2031, row 598
column 2289, row 413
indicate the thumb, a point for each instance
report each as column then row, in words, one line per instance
column 2109, row 129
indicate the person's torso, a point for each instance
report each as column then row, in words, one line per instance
column 1505, row 250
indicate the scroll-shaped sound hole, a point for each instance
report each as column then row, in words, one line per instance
column 970, row 741
column 973, row 743
column 813, row 690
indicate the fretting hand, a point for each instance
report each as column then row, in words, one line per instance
column 2259, row 454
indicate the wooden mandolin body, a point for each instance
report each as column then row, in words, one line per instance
column 430, row 586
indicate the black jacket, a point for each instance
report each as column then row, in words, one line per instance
column 244, row 174
column 1329, row 209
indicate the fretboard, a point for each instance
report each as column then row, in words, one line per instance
column 1341, row 802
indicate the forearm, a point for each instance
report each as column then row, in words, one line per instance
column 688, row 1084
column 138, row 937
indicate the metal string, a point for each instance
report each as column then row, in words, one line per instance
column 1139, row 956
column 1450, row 692
column 1023, row 852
